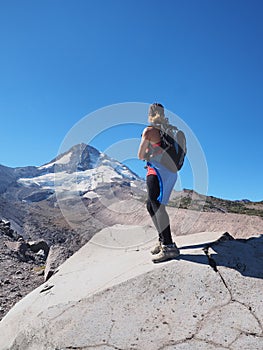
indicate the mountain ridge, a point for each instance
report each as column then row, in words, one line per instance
column 82, row 157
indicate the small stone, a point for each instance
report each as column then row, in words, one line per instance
column 41, row 273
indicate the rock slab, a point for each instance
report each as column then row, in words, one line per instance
column 109, row 295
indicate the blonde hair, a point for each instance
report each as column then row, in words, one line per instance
column 156, row 114
column 157, row 119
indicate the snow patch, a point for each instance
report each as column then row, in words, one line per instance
column 90, row 195
column 81, row 181
column 63, row 160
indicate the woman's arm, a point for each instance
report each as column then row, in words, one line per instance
column 144, row 144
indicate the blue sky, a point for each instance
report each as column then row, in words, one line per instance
column 63, row 59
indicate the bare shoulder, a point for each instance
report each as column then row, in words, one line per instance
column 147, row 132
column 150, row 133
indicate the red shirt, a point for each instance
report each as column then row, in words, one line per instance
column 150, row 170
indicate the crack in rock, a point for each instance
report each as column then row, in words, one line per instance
column 255, row 317
column 113, row 323
column 190, row 339
column 46, row 288
column 214, row 266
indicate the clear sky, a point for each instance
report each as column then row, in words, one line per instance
column 63, row 59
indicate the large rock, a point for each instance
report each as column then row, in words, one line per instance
column 37, row 246
column 57, row 255
column 109, row 295
column 19, row 248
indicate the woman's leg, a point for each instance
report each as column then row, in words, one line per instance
column 157, row 211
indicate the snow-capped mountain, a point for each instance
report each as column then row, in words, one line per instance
column 78, row 158
column 81, row 169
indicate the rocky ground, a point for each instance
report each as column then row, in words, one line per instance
column 21, row 270
column 22, row 266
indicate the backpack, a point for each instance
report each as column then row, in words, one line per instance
column 172, row 150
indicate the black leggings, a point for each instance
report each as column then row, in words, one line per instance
column 157, row 211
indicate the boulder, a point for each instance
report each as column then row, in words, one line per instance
column 36, row 246
column 57, row 255
column 20, row 247
column 109, row 295
column 5, row 223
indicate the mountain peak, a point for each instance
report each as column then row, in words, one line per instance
column 79, row 157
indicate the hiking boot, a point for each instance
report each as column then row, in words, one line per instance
column 157, row 248
column 167, row 252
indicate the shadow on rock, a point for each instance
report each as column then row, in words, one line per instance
column 243, row 255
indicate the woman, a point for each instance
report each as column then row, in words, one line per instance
column 160, row 182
